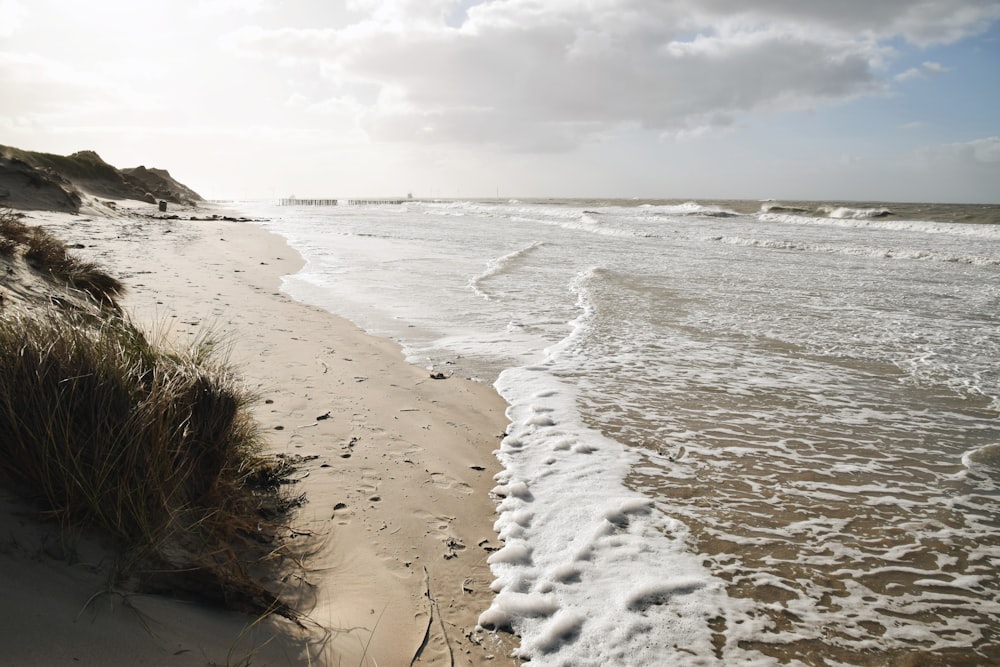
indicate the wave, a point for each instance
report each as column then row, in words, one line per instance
column 860, row 251
column 983, row 459
column 846, row 213
column 498, row 265
column 691, row 208
column 588, row 220
column 586, row 223
column 987, row 231
column 774, row 207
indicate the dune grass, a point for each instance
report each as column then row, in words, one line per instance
column 13, row 232
column 49, row 256
column 155, row 448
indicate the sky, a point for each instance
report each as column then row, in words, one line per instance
column 889, row 100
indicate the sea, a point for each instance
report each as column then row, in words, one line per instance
column 740, row 432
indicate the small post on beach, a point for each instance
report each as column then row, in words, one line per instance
column 163, row 206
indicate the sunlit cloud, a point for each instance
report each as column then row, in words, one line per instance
column 529, row 76
column 209, row 8
column 33, row 84
column 12, row 15
column 925, row 69
column 983, row 153
column 658, row 84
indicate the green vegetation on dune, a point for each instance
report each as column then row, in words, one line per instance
column 84, row 164
column 104, row 429
column 49, row 256
column 33, row 180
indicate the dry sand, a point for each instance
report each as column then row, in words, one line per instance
column 397, row 478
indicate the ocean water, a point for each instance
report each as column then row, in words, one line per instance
column 740, row 432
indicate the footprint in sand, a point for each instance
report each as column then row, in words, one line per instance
column 448, row 483
column 342, row 513
column 438, row 526
column 370, row 480
column 452, row 547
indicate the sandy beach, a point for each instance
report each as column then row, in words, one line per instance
column 396, row 467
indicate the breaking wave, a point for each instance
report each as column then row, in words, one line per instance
column 861, row 251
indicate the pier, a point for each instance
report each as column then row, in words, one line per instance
column 374, row 202
column 292, row 201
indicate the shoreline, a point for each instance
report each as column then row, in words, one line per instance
column 396, row 466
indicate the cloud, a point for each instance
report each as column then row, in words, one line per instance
column 936, row 68
column 292, row 46
column 209, row 8
column 533, row 75
column 983, row 151
column 920, row 22
column 11, row 17
column 926, row 68
column 36, row 85
column 979, row 154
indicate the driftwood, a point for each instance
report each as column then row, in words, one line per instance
column 432, row 608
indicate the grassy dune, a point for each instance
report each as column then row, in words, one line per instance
column 104, row 429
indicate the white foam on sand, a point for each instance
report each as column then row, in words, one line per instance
column 590, row 573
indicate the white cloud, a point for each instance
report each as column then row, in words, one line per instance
column 979, row 153
column 936, row 68
column 11, row 17
column 927, row 68
column 551, row 75
column 921, row 22
column 985, row 151
column 292, row 46
column 35, row 85
column 209, row 8
column 692, row 134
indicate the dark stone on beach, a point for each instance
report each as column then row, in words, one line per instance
column 438, row 376
column 323, row 416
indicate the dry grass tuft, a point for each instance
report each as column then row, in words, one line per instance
column 48, row 255
column 13, row 232
column 102, row 428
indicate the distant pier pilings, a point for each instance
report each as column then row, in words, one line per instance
column 374, row 202
column 307, row 202
column 292, row 201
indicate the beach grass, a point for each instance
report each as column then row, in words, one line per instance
column 49, row 257
column 104, row 429
column 13, row 232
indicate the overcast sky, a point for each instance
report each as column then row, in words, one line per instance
column 816, row 99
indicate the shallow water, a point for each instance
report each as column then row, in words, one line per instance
column 741, row 433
